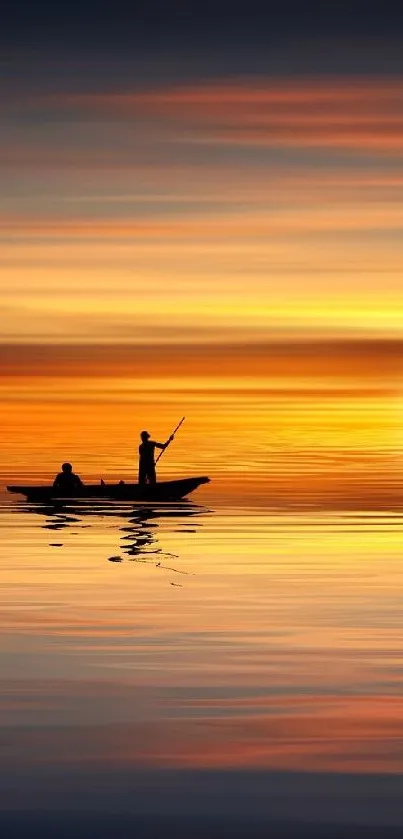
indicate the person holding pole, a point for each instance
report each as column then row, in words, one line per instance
column 146, row 456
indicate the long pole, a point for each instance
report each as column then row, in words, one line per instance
column 174, row 432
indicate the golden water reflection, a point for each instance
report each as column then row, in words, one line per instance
column 216, row 637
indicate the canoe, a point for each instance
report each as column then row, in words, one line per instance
column 162, row 491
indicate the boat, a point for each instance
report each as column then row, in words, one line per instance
column 161, row 491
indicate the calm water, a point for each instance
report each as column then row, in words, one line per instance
column 256, row 628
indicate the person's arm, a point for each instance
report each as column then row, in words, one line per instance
column 56, row 482
column 164, row 445
column 78, row 482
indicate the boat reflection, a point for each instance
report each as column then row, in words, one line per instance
column 139, row 538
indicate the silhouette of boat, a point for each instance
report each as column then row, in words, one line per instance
column 162, row 491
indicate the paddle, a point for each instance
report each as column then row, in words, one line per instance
column 172, row 435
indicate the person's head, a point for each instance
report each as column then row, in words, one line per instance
column 67, row 468
column 145, row 436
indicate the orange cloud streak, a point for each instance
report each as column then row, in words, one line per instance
column 346, row 359
column 355, row 114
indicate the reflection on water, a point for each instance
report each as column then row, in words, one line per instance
column 140, row 539
column 179, row 636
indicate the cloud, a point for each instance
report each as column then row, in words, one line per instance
column 359, row 115
column 281, row 357
column 234, row 209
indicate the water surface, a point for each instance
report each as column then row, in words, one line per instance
column 255, row 628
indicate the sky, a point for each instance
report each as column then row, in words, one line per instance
column 229, row 175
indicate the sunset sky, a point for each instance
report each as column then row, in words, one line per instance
column 199, row 182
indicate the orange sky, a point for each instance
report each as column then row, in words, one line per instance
column 375, row 363
column 227, row 211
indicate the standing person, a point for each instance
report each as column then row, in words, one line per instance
column 146, row 458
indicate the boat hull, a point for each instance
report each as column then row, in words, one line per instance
column 163, row 491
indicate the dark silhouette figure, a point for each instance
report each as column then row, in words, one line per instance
column 147, row 464
column 66, row 482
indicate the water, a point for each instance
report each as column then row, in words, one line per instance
column 253, row 632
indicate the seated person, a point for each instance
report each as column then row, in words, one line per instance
column 66, row 482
